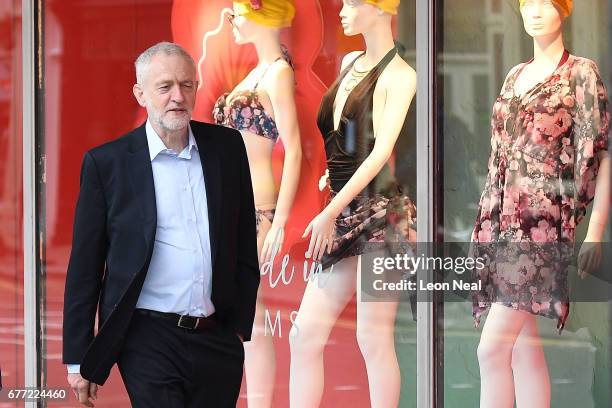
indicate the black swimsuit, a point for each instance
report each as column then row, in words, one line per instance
column 380, row 213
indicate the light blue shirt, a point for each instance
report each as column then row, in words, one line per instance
column 179, row 279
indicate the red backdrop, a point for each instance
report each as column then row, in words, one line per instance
column 89, row 49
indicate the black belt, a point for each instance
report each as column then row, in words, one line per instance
column 184, row 321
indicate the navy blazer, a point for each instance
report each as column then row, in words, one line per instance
column 114, row 231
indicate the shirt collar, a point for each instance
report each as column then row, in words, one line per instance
column 157, row 146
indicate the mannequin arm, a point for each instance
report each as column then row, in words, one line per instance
column 601, row 202
column 281, row 92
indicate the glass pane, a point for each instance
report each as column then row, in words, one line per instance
column 11, row 198
column 480, row 41
column 89, row 50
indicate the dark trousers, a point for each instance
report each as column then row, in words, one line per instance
column 163, row 365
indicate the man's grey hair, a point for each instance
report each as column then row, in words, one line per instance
column 168, row 48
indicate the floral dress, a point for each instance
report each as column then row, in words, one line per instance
column 541, row 177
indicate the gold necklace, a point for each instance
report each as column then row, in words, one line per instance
column 358, row 71
column 356, row 77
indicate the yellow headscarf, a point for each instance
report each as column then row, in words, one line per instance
column 566, row 6
column 270, row 13
column 389, row 6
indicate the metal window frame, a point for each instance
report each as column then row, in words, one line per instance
column 425, row 105
column 29, row 194
column 425, row 63
column 31, row 20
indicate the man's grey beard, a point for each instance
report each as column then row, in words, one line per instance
column 168, row 124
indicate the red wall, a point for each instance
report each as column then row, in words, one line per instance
column 89, row 49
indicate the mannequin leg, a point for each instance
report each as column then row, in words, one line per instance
column 376, row 339
column 497, row 340
column 260, row 362
column 259, row 354
column 323, row 301
column 531, row 380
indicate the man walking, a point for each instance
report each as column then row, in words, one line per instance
column 164, row 248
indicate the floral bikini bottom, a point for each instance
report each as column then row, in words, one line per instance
column 261, row 214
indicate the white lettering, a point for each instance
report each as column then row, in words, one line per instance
column 268, row 323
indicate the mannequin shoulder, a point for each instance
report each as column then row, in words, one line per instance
column 585, row 67
column 348, row 58
column 281, row 67
column 280, row 75
column 513, row 70
column 398, row 75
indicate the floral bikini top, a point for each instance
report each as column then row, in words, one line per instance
column 244, row 111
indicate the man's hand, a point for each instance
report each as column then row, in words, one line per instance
column 83, row 389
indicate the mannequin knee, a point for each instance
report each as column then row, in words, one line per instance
column 305, row 341
column 373, row 343
column 493, row 353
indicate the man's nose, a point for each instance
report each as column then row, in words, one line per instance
column 177, row 94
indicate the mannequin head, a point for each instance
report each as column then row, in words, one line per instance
column 387, row 6
column 251, row 19
column 360, row 16
column 542, row 18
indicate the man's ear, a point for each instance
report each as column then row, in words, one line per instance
column 139, row 95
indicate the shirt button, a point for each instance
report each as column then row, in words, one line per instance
column 185, row 188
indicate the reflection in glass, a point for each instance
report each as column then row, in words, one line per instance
column 262, row 108
column 88, row 71
column 360, row 118
column 469, row 86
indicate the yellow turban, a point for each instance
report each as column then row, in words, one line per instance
column 566, row 6
column 389, row 6
column 270, row 13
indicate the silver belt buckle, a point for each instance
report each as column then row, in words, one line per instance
column 196, row 319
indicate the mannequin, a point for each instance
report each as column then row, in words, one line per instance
column 544, row 169
column 262, row 107
column 366, row 108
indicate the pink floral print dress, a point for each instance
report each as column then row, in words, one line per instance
column 541, row 178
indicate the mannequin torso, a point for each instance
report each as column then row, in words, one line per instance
column 397, row 70
column 259, row 149
column 536, row 71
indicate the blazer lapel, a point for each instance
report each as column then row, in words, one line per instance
column 141, row 177
column 212, row 180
